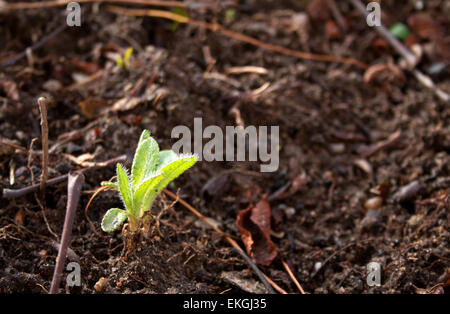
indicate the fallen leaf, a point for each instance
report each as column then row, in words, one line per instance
column 385, row 72
column 92, row 107
column 254, row 226
column 124, row 104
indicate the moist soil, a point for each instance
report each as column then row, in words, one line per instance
column 344, row 207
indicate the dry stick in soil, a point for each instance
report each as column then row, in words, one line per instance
column 9, row 193
column 75, row 182
column 160, row 3
column 215, row 27
column 410, row 58
column 34, row 47
column 256, row 270
column 291, row 274
column 42, row 101
column 215, row 228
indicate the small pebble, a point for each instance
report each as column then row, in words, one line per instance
column 100, row 284
column 317, row 266
column 436, row 69
column 373, row 203
column 337, row 148
column 52, row 85
column 289, row 212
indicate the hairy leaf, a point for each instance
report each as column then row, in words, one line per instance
column 145, row 194
column 124, row 188
column 145, row 159
column 113, row 219
column 166, row 157
column 173, row 169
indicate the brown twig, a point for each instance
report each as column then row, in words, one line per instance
column 337, row 15
column 289, row 271
column 389, row 142
column 215, row 228
column 98, row 191
column 34, row 47
column 256, row 270
column 42, row 101
column 15, row 146
column 58, row 3
column 159, row 3
column 215, row 27
column 75, row 182
column 10, row 193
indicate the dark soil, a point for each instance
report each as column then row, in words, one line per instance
column 328, row 118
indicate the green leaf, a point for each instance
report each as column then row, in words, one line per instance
column 399, row 30
column 127, row 56
column 173, row 169
column 113, row 219
column 119, row 62
column 145, row 159
column 145, row 194
column 144, row 135
column 124, row 188
column 230, row 14
column 166, row 157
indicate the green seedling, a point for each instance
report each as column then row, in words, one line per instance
column 181, row 12
column 152, row 170
column 230, row 15
column 124, row 62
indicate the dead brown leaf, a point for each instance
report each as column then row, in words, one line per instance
column 92, row 107
column 385, row 72
column 254, row 226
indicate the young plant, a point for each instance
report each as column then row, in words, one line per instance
column 151, row 172
column 125, row 61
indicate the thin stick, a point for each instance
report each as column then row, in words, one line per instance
column 75, row 182
column 15, row 146
column 100, row 189
column 215, row 27
column 337, row 15
column 57, row 3
column 42, row 101
column 256, row 270
column 34, row 47
column 215, row 228
column 289, row 271
column 9, row 193
column 160, row 3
